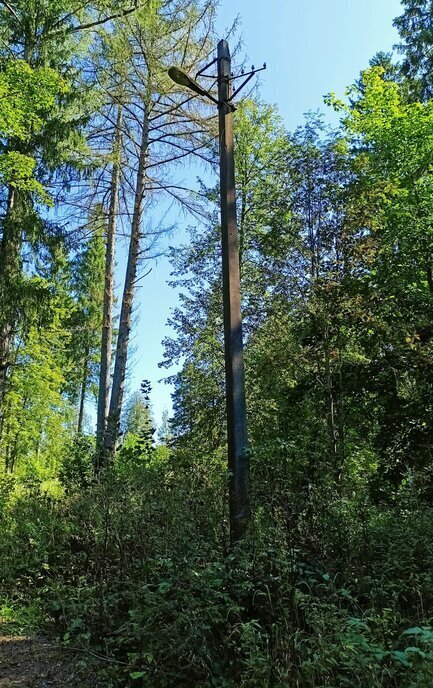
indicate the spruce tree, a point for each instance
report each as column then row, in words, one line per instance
column 415, row 27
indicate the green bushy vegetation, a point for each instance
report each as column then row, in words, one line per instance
column 329, row 590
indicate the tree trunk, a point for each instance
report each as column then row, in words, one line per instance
column 83, row 392
column 331, row 403
column 10, row 267
column 429, row 276
column 107, row 322
column 127, row 301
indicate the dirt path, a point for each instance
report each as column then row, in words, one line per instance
column 33, row 663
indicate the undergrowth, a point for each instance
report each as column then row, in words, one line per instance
column 135, row 572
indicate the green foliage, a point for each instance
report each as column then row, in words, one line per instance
column 27, row 97
column 76, row 471
column 17, row 619
column 34, row 427
column 136, row 568
column 85, row 319
column 138, row 445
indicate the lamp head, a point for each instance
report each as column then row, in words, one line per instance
column 180, row 77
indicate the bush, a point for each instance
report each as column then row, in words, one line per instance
column 136, row 567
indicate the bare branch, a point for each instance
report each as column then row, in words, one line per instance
column 96, row 22
column 9, row 8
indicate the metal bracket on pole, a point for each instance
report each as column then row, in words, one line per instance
column 249, row 76
column 179, row 76
column 201, row 71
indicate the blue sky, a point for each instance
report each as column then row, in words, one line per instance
column 311, row 47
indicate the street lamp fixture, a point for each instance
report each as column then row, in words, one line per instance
column 180, row 77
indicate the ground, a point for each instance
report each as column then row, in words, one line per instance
column 34, row 662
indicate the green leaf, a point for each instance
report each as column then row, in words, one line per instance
column 402, row 658
column 415, row 630
column 415, row 650
column 136, row 674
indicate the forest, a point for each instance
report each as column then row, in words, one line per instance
column 116, row 546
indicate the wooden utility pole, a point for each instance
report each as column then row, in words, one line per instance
column 240, row 513
column 239, row 505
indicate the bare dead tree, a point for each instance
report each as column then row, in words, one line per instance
column 160, row 130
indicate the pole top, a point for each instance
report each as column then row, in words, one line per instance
column 223, row 49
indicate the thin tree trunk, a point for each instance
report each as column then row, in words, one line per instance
column 341, row 419
column 429, row 277
column 7, row 459
column 127, row 301
column 107, row 322
column 332, row 425
column 83, row 392
column 10, row 252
